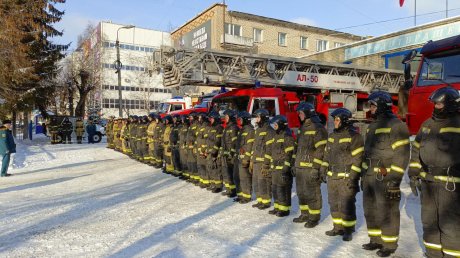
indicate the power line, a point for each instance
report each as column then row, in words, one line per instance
column 396, row 19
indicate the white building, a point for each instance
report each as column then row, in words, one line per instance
column 142, row 89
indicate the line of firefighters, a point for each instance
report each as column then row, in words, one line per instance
column 266, row 158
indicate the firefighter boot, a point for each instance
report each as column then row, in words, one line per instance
column 302, row 218
column 311, row 224
column 244, row 200
column 281, row 214
column 347, row 236
column 273, row 212
column 371, row 246
column 385, row 252
column 257, row 205
column 264, row 206
column 335, row 232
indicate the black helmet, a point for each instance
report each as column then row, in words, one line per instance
column 344, row 115
column 382, row 100
column 307, row 108
column 447, row 96
column 168, row 119
column 245, row 116
column 231, row 113
column 215, row 115
column 152, row 115
column 281, row 121
column 263, row 114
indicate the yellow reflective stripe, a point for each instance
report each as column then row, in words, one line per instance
column 454, row 253
column 389, row 239
column 331, row 139
column 325, row 164
column 287, row 163
column 415, row 165
column 259, row 199
column 432, row 246
column 266, row 201
column 399, row 143
column 397, row 169
column 449, row 179
column 283, row 208
column 317, row 161
column 304, row 207
column 279, row 167
column 314, row 212
column 280, row 140
column 205, row 136
column 247, row 154
column 244, row 134
column 356, row 169
column 275, row 205
column 288, row 149
column 260, row 159
column 377, row 170
column 374, row 232
column 346, row 223
column 320, row 143
column 342, row 140
column 364, row 165
column 416, row 144
column 213, row 131
column 306, row 164
column 215, row 147
column 248, row 196
column 269, row 142
column 450, row 130
column 219, row 136
column 309, row 133
column 357, row 151
column 268, row 157
column 234, row 139
column 337, row 221
column 382, row 130
column 250, row 140
column 262, row 133
column 329, row 173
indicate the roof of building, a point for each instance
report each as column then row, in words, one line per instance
column 273, row 20
column 295, row 25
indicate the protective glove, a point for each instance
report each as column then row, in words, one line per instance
column 415, row 185
column 392, row 191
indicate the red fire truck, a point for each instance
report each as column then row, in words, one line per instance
column 439, row 67
column 278, row 83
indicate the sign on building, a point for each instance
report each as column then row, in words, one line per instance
column 199, row 37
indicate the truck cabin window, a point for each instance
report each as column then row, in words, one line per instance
column 439, row 69
column 268, row 104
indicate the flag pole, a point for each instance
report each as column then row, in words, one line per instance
column 447, row 8
column 415, row 12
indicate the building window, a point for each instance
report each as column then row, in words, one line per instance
column 303, row 43
column 338, row 44
column 282, row 39
column 258, row 36
column 233, row 29
column 322, row 45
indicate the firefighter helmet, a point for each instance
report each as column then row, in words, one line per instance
column 447, row 96
column 230, row 113
column 344, row 115
column 382, row 100
column 281, row 121
column 307, row 108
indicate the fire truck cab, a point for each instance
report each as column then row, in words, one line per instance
column 439, row 67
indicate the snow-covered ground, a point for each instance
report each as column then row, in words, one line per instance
column 89, row 201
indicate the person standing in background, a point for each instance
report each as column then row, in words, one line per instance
column 7, row 146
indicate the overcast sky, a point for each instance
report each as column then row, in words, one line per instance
column 331, row 14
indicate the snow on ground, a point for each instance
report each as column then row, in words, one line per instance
column 86, row 200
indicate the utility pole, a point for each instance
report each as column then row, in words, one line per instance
column 118, row 66
column 225, row 9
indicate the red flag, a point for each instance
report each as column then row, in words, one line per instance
column 401, row 2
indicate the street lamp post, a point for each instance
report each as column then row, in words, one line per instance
column 118, row 66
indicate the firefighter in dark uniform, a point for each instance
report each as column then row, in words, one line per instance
column 132, row 136
column 435, row 170
column 245, row 142
column 183, row 129
column 174, row 142
column 281, row 151
column 311, row 141
column 158, row 142
column 127, row 137
column 67, row 129
column 150, row 131
column 191, row 151
column 386, row 157
column 214, row 141
column 109, row 133
column 228, row 152
column 139, row 129
column 261, row 160
column 342, row 163
column 201, row 146
column 167, row 145
column 53, row 128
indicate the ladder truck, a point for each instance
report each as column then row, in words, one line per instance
column 277, row 83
